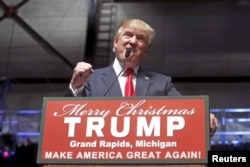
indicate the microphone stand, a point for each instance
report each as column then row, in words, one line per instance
column 127, row 53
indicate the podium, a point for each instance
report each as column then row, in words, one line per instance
column 122, row 132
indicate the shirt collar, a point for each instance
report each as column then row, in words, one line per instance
column 118, row 67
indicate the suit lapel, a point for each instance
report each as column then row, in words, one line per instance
column 108, row 78
column 142, row 83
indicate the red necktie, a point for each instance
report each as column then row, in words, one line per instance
column 129, row 87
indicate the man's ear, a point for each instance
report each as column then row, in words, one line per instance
column 115, row 43
column 148, row 49
column 149, row 46
column 146, row 52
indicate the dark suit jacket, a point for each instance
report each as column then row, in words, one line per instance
column 147, row 84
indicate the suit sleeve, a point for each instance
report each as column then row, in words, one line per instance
column 171, row 90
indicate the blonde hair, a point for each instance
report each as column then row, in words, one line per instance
column 138, row 24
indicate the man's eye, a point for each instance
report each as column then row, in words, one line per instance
column 142, row 39
column 128, row 34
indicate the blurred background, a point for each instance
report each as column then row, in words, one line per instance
column 203, row 44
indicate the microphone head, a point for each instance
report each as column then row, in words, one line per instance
column 127, row 53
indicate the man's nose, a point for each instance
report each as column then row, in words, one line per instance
column 133, row 39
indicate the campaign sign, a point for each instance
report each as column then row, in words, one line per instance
column 147, row 130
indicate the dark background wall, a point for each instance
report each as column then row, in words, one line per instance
column 204, row 46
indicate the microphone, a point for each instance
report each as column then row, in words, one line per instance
column 127, row 54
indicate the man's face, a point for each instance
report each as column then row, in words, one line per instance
column 134, row 39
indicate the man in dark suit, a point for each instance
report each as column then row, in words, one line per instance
column 131, row 44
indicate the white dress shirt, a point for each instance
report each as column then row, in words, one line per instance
column 123, row 77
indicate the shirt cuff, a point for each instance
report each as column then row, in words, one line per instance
column 77, row 92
